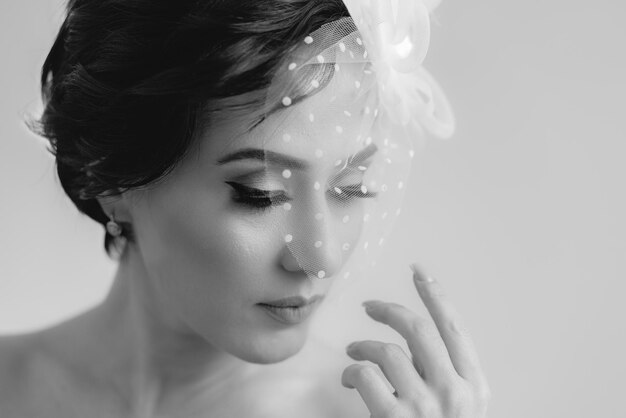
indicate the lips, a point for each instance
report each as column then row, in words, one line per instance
column 293, row 301
column 291, row 310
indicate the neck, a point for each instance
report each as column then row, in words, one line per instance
column 148, row 358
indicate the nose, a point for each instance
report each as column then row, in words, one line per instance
column 313, row 245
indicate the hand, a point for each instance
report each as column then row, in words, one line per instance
column 442, row 380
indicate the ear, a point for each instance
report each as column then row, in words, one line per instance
column 115, row 206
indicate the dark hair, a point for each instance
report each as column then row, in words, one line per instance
column 127, row 81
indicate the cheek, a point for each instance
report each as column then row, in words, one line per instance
column 351, row 225
column 204, row 256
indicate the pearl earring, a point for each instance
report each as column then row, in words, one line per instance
column 113, row 227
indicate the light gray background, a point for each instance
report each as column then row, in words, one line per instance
column 520, row 215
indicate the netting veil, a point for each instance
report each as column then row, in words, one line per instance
column 352, row 106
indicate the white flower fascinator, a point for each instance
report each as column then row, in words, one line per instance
column 397, row 37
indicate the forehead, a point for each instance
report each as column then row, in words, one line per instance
column 331, row 123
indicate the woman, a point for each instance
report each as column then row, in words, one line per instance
column 238, row 154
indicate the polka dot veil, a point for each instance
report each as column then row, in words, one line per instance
column 350, row 108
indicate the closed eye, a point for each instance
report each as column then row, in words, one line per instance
column 257, row 198
column 352, row 191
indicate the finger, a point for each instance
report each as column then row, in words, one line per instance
column 370, row 386
column 393, row 362
column 426, row 345
column 450, row 325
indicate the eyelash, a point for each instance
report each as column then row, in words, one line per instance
column 264, row 199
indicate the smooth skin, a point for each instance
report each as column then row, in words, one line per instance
column 443, row 379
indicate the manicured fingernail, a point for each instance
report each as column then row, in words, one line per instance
column 371, row 303
column 419, row 276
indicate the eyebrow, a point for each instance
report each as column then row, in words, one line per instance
column 284, row 160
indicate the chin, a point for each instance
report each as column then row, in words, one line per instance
column 270, row 349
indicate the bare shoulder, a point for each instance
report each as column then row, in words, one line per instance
column 30, row 380
column 15, row 363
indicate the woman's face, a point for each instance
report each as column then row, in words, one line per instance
column 214, row 249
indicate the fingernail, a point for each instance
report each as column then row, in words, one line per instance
column 350, row 346
column 419, row 276
column 371, row 303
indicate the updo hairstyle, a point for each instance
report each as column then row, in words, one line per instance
column 127, row 83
